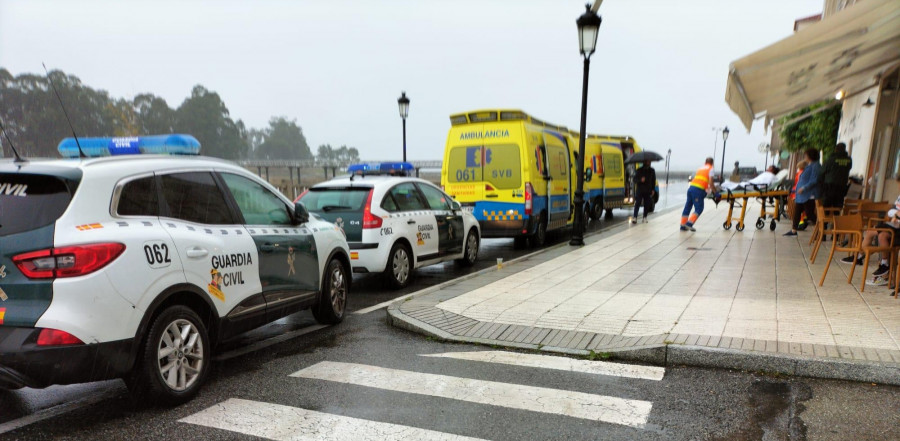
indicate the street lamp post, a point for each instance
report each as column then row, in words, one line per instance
column 724, row 141
column 668, row 155
column 588, row 28
column 403, row 103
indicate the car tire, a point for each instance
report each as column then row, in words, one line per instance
column 539, row 238
column 596, row 209
column 470, row 249
column 333, row 299
column 399, row 266
column 152, row 379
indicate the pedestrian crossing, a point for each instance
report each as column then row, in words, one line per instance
column 281, row 422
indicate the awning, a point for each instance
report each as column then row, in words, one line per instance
column 847, row 51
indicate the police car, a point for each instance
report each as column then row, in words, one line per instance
column 135, row 266
column 394, row 223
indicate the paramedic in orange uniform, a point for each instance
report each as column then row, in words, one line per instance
column 701, row 183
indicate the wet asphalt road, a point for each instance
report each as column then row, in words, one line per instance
column 689, row 403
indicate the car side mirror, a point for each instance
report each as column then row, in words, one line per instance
column 588, row 174
column 455, row 206
column 301, row 214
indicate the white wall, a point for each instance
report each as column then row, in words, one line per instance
column 856, row 129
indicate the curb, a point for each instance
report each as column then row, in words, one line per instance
column 671, row 355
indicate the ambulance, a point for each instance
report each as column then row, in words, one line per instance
column 512, row 171
column 608, row 181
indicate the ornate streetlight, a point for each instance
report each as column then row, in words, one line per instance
column 588, row 28
column 724, row 141
column 403, row 103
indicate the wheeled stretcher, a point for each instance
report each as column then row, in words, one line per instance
column 768, row 198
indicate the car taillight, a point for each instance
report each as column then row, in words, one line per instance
column 67, row 261
column 55, row 337
column 528, row 199
column 370, row 220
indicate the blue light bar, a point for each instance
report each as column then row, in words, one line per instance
column 383, row 168
column 134, row 145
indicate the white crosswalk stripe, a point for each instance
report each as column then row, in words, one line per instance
column 558, row 363
column 286, row 423
column 574, row 404
column 282, row 423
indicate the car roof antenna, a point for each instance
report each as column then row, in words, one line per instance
column 15, row 152
column 80, row 152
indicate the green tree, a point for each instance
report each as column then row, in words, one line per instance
column 205, row 116
column 283, row 140
column 154, row 115
column 325, row 154
column 818, row 131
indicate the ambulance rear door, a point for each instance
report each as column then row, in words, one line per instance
column 559, row 185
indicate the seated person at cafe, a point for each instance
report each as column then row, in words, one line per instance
column 893, row 222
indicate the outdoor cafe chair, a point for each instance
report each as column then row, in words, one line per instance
column 823, row 216
column 868, row 249
column 868, row 210
column 849, row 227
column 851, row 206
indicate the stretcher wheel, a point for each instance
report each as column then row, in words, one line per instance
column 760, row 224
column 740, row 226
column 726, row 226
column 772, row 225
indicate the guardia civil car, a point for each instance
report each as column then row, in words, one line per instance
column 135, row 266
column 395, row 223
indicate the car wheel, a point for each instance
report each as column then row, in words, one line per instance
column 470, row 254
column 399, row 266
column 333, row 300
column 596, row 209
column 174, row 360
column 539, row 238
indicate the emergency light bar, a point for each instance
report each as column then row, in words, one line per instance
column 384, row 168
column 133, row 145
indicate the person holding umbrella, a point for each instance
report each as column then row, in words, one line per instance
column 644, row 184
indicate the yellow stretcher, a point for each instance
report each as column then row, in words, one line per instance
column 774, row 198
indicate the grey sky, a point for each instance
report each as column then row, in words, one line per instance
column 338, row 66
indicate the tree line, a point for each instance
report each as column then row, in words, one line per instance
column 35, row 122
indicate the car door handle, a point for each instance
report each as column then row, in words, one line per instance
column 196, row 252
column 410, row 222
column 268, row 247
column 451, row 217
column 491, row 195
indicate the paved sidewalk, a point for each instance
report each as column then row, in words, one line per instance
column 744, row 300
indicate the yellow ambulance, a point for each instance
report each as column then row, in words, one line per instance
column 512, row 171
column 609, row 184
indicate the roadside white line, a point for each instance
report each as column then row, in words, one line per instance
column 558, row 363
column 267, row 342
column 608, row 409
column 286, row 423
column 51, row 412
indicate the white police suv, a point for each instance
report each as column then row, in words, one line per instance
column 394, row 223
column 135, row 266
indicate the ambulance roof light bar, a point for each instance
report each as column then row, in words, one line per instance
column 174, row 144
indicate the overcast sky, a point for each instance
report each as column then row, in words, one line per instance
column 338, row 66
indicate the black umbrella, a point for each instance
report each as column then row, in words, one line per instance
column 642, row 156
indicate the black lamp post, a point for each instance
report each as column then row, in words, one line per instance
column 724, row 141
column 403, row 103
column 588, row 28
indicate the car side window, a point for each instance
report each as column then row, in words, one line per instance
column 195, row 197
column 389, row 204
column 258, row 205
column 139, row 197
column 437, row 200
column 406, row 196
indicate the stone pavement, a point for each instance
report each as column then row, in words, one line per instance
column 649, row 292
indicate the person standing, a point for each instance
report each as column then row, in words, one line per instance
column 700, row 185
column 835, row 176
column 644, row 183
column 807, row 191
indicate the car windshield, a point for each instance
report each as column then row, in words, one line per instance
column 328, row 199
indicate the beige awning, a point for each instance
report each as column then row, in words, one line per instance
column 847, row 51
